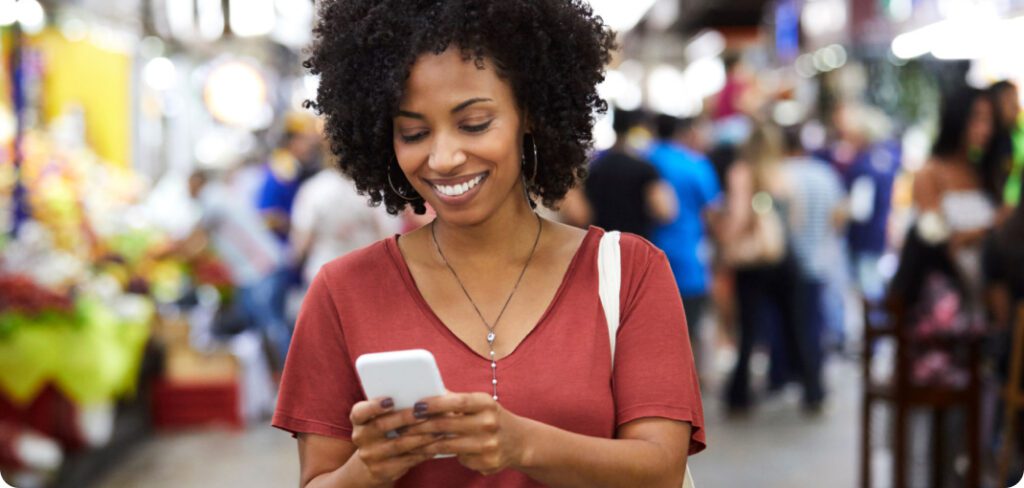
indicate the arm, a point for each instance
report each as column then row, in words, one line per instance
column 488, row 439
column 661, row 201
column 648, row 452
column 738, row 212
column 188, row 248
column 1000, row 303
column 574, row 208
column 372, row 458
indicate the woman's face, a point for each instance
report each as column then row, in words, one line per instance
column 979, row 124
column 458, row 137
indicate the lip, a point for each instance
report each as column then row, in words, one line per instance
column 460, row 199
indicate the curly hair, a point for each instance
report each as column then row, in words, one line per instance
column 552, row 53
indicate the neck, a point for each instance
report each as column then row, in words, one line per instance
column 506, row 236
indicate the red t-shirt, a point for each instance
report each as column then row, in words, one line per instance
column 560, row 374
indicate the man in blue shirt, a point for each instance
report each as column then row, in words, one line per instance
column 684, row 240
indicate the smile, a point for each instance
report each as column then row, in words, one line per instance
column 459, row 189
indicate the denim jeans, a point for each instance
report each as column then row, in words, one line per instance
column 263, row 304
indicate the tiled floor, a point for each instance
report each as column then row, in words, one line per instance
column 777, row 446
column 260, row 457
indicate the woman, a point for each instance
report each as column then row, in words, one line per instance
column 954, row 202
column 475, row 107
column 753, row 239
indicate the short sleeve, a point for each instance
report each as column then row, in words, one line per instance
column 708, row 187
column 648, row 173
column 304, row 211
column 319, row 385
column 654, row 373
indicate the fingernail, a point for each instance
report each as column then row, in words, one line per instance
column 387, row 403
column 391, row 434
column 419, row 410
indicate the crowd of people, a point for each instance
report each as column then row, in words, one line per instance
column 274, row 223
column 791, row 223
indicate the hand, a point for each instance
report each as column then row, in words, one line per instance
column 387, row 455
column 485, row 437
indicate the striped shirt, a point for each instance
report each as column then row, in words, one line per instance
column 816, row 194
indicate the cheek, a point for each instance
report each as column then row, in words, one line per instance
column 411, row 157
column 498, row 148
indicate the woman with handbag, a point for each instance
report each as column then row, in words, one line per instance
column 477, row 108
column 752, row 236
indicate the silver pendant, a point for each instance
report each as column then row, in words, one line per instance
column 490, row 338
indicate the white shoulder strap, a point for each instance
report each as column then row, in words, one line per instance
column 609, row 272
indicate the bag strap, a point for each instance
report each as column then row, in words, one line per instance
column 609, row 272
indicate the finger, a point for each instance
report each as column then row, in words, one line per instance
column 480, row 423
column 400, row 446
column 365, row 411
column 395, row 467
column 459, row 446
column 394, row 421
column 465, row 403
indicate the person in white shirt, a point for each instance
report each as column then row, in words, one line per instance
column 330, row 218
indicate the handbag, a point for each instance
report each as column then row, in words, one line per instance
column 609, row 279
column 763, row 242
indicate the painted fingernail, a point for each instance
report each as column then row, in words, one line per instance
column 391, row 434
column 387, row 403
column 419, row 410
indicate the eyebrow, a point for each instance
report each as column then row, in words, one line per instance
column 458, row 108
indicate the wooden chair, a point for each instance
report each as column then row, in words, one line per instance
column 903, row 395
column 1013, row 396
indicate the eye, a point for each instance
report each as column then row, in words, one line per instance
column 411, row 138
column 477, row 128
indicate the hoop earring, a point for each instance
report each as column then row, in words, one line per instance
column 533, row 176
column 400, row 194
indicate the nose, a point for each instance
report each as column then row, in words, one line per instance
column 446, row 156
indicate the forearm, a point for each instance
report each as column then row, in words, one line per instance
column 559, row 458
column 352, row 474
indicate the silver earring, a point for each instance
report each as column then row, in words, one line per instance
column 533, row 176
column 400, row 194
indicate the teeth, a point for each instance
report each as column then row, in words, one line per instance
column 456, row 190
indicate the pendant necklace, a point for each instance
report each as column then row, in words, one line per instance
column 491, row 336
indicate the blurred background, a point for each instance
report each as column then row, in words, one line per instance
column 835, row 182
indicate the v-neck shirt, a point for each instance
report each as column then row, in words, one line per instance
column 560, row 374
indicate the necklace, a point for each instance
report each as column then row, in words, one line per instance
column 491, row 336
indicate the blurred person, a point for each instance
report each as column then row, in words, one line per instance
column 625, row 192
column 730, row 102
column 954, row 205
column 939, row 280
column 1004, row 277
column 296, row 159
column 816, row 216
column 330, row 219
column 869, row 175
column 451, row 118
column 684, row 240
column 255, row 260
column 753, row 240
column 1008, row 143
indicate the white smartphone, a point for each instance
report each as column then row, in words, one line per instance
column 405, row 376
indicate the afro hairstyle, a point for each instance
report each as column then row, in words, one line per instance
column 552, row 53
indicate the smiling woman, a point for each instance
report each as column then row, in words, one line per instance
column 476, row 108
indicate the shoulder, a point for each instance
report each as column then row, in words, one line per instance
column 366, row 261
column 637, row 252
